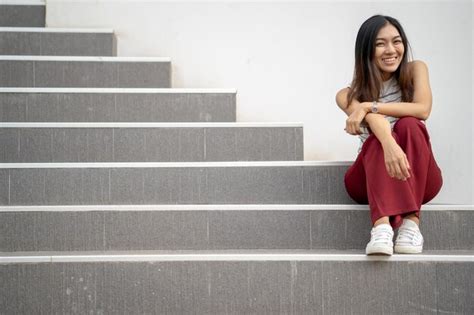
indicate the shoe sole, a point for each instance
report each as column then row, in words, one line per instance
column 408, row 250
column 379, row 251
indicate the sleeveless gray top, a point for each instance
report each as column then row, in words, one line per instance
column 390, row 93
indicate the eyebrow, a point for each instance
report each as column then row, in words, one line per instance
column 398, row 36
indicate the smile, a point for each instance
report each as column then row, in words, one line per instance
column 390, row 61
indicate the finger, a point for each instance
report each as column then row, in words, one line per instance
column 357, row 129
column 404, row 168
column 408, row 163
column 389, row 168
column 351, row 129
column 398, row 172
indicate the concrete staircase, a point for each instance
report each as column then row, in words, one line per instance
column 120, row 194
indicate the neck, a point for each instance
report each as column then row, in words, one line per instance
column 386, row 76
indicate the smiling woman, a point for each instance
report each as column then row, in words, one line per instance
column 388, row 100
column 389, row 50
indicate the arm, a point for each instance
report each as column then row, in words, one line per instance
column 422, row 99
column 396, row 162
column 378, row 124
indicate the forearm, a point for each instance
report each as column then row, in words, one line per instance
column 418, row 110
column 380, row 126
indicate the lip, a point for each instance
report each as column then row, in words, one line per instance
column 392, row 60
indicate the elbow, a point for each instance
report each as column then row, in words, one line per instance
column 425, row 114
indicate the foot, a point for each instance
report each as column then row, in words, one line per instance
column 409, row 239
column 381, row 240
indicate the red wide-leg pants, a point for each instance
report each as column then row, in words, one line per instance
column 368, row 182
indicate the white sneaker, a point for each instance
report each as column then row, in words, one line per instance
column 381, row 240
column 409, row 239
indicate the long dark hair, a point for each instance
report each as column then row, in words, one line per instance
column 367, row 81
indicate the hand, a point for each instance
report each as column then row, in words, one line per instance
column 354, row 120
column 396, row 161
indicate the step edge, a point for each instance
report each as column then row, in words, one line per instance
column 20, row 3
column 9, row 258
column 173, row 164
column 224, row 207
column 55, row 30
column 83, row 58
column 92, row 125
column 120, row 90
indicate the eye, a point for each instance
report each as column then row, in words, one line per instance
column 397, row 41
column 379, row 44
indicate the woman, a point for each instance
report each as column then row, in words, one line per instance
column 387, row 103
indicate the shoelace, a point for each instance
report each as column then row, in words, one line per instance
column 407, row 235
column 382, row 235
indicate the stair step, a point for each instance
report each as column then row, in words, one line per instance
column 60, row 71
column 57, row 41
column 216, row 227
column 150, row 142
column 242, row 282
column 22, row 13
column 229, row 255
column 287, row 182
column 120, row 105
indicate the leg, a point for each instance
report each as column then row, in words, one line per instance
column 415, row 141
column 355, row 182
column 367, row 180
column 388, row 197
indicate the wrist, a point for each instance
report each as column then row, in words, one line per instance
column 367, row 106
column 387, row 141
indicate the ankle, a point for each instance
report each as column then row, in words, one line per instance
column 382, row 220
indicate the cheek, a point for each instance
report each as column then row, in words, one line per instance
column 401, row 49
column 378, row 52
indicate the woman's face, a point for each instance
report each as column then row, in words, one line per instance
column 389, row 49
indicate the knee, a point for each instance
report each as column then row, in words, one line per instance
column 408, row 123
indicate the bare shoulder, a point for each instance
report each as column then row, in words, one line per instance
column 418, row 67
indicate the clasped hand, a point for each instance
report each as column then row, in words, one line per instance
column 355, row 118
column 396, row 161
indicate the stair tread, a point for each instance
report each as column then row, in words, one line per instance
column 83, row 58
column 230, row 255
column 220, row 207
column 114, row 90
column 54, row 30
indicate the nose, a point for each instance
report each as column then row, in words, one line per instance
column 389, row 48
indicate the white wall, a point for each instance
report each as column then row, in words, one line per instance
column 288, row 59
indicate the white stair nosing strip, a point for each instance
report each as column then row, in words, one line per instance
column 225, row 207
column 24, row 259
column 55, row 30
column 154, row 125
column 173, row 164
column 84, row 58
column 119, row 90
column 23, row 2
column 78, row 258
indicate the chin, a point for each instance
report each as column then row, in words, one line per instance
column 389, row 70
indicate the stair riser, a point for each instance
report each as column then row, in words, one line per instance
column 57, row 44
column 118, row 107
column 203, row 230
column 238, row 287
column 25, row 73
column 150, row 144
column 22, row 15
column 174, row 185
